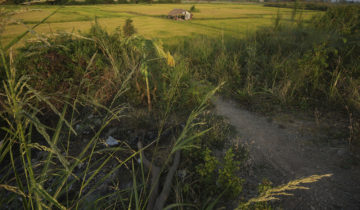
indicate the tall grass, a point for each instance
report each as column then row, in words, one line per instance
column 24, row 129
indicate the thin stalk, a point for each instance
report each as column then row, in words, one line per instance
column 20, row 185
column 148, row 91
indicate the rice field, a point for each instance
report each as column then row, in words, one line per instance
column 149, row 20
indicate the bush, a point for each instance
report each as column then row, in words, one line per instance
column 129, row 28
column 216, row 172
column 194, row 9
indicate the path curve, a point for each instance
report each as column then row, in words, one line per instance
column 285, row 150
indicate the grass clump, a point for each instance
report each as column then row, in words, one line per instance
column 215, row 166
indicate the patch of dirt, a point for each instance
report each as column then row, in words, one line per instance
column 284, row 150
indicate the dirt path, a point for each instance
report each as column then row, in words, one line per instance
column 283, row 153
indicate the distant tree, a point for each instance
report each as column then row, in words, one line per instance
column 194, row 9
column 99, row 1
column 91, row 1
column 14, row 1
column 129, row 28
column 58, row 2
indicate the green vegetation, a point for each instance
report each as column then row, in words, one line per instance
column 111, row 119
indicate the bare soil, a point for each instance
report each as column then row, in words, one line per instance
column 288, row 148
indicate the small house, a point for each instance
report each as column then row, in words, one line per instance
column 180, row 14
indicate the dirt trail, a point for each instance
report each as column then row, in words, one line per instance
column 283, row 153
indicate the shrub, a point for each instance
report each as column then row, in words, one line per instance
column 129, row 28
column 194, row 9
column 216, row 172
column 228, row 175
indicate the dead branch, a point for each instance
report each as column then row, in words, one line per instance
column 155, row 175
column 159, row 200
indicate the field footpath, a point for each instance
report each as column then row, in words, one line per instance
column 283, row 153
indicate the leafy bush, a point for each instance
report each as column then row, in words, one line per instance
column 207, row 170
column 214, row 164
column 228, row 175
